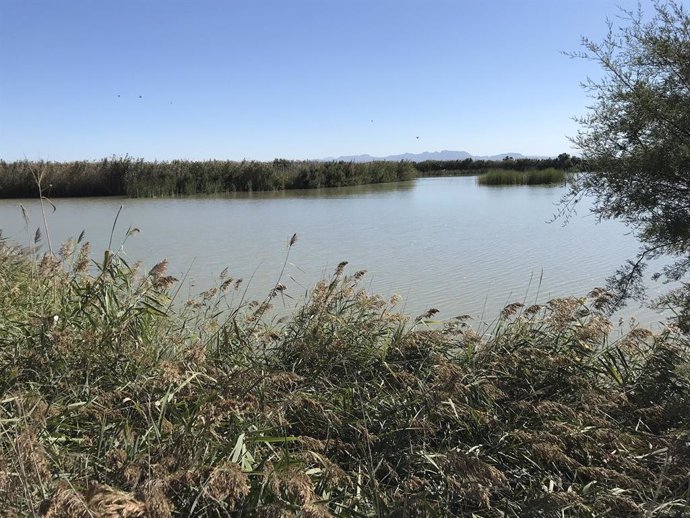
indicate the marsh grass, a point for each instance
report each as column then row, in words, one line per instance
column 115, row 401
column 137, row 178
column 550, row 176
column 125, row 176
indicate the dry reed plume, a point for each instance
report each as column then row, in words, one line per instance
column 117, row 402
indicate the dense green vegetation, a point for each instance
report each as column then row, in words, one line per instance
column 636, row 135
column 116, row 400
column 137, row 178
column 469, row 166
column 526, row 177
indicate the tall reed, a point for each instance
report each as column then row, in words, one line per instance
column 116, row 401
column 137, row 178
column 549, row 176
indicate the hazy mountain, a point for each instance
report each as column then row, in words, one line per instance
column 428, row 155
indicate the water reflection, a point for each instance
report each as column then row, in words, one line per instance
column 441, row 242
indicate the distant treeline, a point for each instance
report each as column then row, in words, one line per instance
column 126, row 176
column 138, row 178
column 469, row 166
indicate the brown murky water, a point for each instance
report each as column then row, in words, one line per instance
column 438, row 242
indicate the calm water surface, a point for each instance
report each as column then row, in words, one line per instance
column 439, row 242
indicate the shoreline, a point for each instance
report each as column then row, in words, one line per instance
column 136, row 178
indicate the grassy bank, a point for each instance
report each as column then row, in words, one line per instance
column 115, row 403
column 549, row 176
column 137, row 178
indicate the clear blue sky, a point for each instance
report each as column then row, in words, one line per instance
column 296, row 79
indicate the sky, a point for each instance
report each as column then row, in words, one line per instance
column 296, row 79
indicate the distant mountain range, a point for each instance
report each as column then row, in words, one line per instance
column 428, row 155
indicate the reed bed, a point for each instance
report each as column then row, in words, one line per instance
column 550, row 176
column 116, row 400
column 470, row 166
column 138, row 178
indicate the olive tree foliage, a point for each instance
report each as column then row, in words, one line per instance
column 635, row 141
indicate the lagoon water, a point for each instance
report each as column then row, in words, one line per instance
column 446, row 243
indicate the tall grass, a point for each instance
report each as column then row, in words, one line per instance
column 126, row 176
column 137, row 178
column 115, row 401
column 549, row 176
